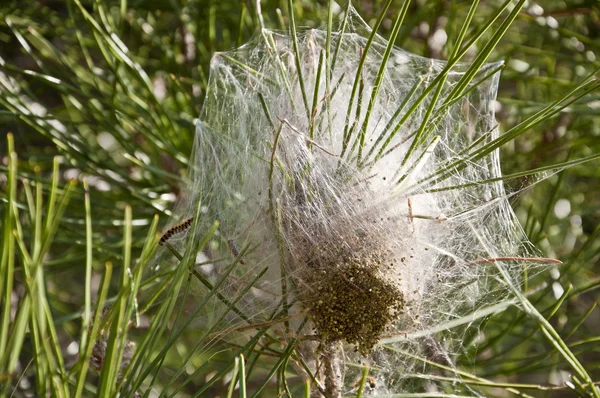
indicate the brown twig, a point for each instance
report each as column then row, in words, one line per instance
column 530, row 259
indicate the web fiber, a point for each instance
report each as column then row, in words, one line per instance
column 304, row 189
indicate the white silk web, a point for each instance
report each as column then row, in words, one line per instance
column 372, row 222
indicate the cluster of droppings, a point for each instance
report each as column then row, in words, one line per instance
column 351, row 294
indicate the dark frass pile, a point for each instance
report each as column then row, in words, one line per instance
column 349, row 292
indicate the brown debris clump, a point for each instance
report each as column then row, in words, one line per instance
column 351, row 294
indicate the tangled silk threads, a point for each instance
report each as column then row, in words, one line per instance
column 371, row 240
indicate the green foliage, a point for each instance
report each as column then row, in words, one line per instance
column 100, row 97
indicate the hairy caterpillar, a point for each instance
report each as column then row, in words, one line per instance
column 176, row 229
column 234, row 250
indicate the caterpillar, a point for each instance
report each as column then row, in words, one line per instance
column 176, row 229
column 234, row 250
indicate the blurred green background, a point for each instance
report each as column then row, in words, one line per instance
column 112, row 88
